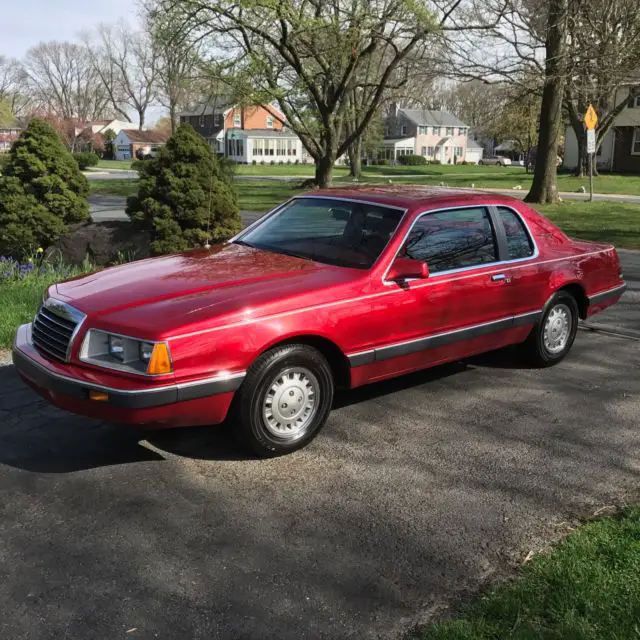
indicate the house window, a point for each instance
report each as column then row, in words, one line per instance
column 201, row 121
column 449, row 131
column 635, row 145
column 460, row 131
column 423, row 131
column 424, row 151
column 403, row 130
column 436, row 131
column 237, row 120
column 269, row 122
column 458, row 151
column 430, row 151
column 386, row 132
column 636, row 101
column 217, row 120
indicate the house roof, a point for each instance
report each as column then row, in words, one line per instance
column 429, row 118
column 215, row 105
column 392, row 141
column 268, row 133
column 145, row 136
column 472, row 144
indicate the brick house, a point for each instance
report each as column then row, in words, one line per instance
column 620, row 148
column 131, row 141
column 436, row 135
column 245, row 133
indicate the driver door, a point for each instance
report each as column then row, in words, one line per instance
column 462, row 308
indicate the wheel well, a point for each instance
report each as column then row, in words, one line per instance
column 580, row 296
column 337, row 360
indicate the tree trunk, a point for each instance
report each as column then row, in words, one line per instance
column 544, row 187
column 582, row 167
column 324, row 170
column 355, row 159
column 141, row 117
column 173, row 117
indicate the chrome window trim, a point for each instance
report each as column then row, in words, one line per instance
column 82, row 357
column 73, row 315
column 447, row 272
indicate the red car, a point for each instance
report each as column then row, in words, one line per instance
column 338, row 288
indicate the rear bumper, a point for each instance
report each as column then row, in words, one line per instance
column 188, row 403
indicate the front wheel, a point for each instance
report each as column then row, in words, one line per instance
column 285, row 400
column 551, row 340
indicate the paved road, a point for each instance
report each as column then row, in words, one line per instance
column 418, row 491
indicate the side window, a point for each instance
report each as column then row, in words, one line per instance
column 452, row 239
column 518, row 239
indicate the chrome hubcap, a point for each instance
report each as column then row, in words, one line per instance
column 557, row 328
column 290, row 403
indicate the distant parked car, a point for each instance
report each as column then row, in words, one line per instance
column 500, row 161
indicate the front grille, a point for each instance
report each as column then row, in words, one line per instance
column 53, row 329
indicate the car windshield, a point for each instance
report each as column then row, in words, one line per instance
column 332, row 231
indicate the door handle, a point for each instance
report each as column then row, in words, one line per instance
column 500, row 277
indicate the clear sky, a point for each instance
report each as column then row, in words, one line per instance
column 25, row 23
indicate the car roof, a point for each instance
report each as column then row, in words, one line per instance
column 413, row 197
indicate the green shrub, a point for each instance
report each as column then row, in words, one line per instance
column 381, row 162
column 41, row 192
column 412, row 159
column 4, row 161
column 86, row 159
column 186, row 196
column 435, row 162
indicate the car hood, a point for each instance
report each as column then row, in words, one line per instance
column 160, row 294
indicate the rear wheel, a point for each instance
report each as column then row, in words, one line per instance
column 285, row 400
column 551, row 340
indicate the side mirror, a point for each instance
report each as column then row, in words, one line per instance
column 405, row 268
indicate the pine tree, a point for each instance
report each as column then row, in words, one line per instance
column 41, row 191
column 186, row 197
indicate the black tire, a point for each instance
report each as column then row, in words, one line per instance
column 314, row 385
column 535, row 347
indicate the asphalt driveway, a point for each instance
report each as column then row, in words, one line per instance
column 418, row 491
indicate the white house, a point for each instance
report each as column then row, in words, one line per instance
column 129, row 142
column 436, row 135
column 474, row 152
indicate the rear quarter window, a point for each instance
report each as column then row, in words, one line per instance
column 519, row 241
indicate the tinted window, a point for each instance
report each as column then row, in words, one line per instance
column 518, row 240
column 333, row 231
column 452, row 239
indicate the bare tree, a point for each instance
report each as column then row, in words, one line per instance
column 310, row 55
column 63, row 82
column 604, row 52
column 127, row 63
column 13, row 88
column 178, row 60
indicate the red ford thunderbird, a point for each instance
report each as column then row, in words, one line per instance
column 338, row 288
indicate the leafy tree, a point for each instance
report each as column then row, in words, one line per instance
column 310, row 57
column 186, row 197
column 41, row 191
column 6, row 116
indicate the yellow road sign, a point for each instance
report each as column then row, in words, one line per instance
column 591, row 118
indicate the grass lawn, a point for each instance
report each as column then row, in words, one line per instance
column 122, row 187
column 114, row 164
column 588, row 588
column 615, row 222
column 22, row 295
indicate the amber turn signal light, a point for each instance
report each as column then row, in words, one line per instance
column 160, row 361
column 98, row 396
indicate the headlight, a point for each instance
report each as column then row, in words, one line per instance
column 123, row 353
